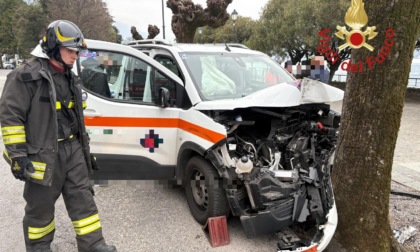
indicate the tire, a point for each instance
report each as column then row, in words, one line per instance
column 206, row 196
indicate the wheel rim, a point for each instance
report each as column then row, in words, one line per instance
column 199, row 190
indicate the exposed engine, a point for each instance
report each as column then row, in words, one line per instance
column 280, row 162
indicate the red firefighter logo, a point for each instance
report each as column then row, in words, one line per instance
column 356, row 18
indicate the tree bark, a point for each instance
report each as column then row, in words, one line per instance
column 135, row 34
column 371, row 117
column 153, row 31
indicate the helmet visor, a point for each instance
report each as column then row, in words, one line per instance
column 72, row 48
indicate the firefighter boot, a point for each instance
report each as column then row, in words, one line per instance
column 104, row 248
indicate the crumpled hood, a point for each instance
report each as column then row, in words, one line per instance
column 318, row 92
column 281, row 95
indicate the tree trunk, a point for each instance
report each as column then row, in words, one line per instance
column 187, row 17
column 296, row 56
column 333, row 69
column 184, row 31
column 153, row 31
column 371, row 118
column 343, row 55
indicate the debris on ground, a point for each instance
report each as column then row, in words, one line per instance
column 404, row 234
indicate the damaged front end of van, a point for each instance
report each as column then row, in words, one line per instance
column 276, row 162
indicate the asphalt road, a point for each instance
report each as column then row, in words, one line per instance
column 137, row 217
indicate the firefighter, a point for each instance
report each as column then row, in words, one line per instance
column 46, row 144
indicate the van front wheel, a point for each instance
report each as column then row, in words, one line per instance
column 206, row 196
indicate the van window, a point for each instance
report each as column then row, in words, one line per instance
column 230, row 75
column 122, row 77
column 168, row 63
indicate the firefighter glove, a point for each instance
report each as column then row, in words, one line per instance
column 20, row 168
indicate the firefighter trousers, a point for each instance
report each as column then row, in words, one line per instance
column 72, row 181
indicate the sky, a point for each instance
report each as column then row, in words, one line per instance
column 141, row 13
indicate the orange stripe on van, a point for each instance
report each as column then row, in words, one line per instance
column 199, row 131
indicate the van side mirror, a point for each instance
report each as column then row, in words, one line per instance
column 164, row 97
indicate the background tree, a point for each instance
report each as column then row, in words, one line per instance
column 91, row 16
column 136, row 35
column 23, row 23
column 370, row 121
column 334, row 63
column 8, row 29
column 207, row 35
column 244, row 30
column 187, row 17
column 31, row 24
column 44, row 5
column 290, row 28
column 153, row 31
column 118, row 36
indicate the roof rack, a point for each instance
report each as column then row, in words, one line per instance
column 148, row 41
column 238, row 45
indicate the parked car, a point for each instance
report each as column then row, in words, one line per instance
column 8, row 65
column 229, row 124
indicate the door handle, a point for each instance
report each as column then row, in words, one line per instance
column 91, row 113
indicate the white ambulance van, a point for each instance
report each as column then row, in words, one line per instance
column 227, row 123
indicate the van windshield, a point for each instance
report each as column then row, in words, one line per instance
column 232, row 75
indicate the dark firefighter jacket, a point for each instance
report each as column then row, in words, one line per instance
column 28, row 117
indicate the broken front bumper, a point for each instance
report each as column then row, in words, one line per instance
column 265, row 222
column 328, row 230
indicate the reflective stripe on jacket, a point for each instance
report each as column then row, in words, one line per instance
column 28, row 118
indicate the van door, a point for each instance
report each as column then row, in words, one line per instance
column 131, row 136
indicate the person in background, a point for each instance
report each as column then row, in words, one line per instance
column 41, row 115
column 94, row 78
